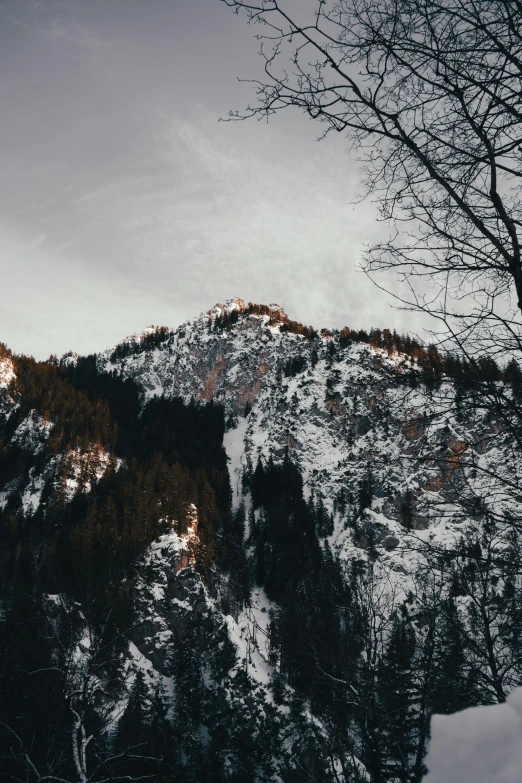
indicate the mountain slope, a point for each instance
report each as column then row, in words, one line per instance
column 297, row 617
column 338, row 409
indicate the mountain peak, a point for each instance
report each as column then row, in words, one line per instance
column 236, row 304
column 229, row 306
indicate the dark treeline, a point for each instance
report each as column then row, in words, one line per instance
column 159, row 458
column 433, row 364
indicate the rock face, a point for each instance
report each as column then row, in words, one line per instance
column 166, row 589
column 389, row 459
column 346, row 415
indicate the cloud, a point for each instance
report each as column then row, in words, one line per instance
column 116, row 169
column 11, row 18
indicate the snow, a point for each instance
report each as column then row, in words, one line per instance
column 249, row 633
column 69, row 359
column 7, row 373
column 234, row 443
column 82, row 468
column 154, row 680
column 156, row 603
column 341, row 413
column 478, row 745
column 32, row 432
column 31, row 496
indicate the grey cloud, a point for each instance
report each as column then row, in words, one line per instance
column 124, row 201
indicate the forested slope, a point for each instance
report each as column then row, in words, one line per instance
column 247, row 550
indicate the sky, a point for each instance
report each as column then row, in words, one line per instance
column 125, row 202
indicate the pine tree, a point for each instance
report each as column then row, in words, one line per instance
column 366, row 490
column 453, row 687
column 397, row 699
column 135, row 721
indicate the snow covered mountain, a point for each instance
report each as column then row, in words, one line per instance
column 298, row 617
column 339, row 410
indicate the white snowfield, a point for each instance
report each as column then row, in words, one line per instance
column 478, row 745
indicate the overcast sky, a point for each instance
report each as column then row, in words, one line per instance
column 124, row 202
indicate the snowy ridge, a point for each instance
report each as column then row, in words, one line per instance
column 339, row 412
column 169, row 599
column 68, row 473
column 7, row 379
column 166, row 589
column 32, row 432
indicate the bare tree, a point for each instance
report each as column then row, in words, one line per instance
column 481, row 598
column 86, row 669
column 428, row 92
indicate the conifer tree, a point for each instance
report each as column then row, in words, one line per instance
column 136, row 718
column 398, row 700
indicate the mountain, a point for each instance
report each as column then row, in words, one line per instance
column 246, row 550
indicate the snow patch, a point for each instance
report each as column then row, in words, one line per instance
column 32, row 494
column 234, row 443
column 249, row 633
column 478, row 745
column 32, row 432
column 82, row 469
column 7, row 373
